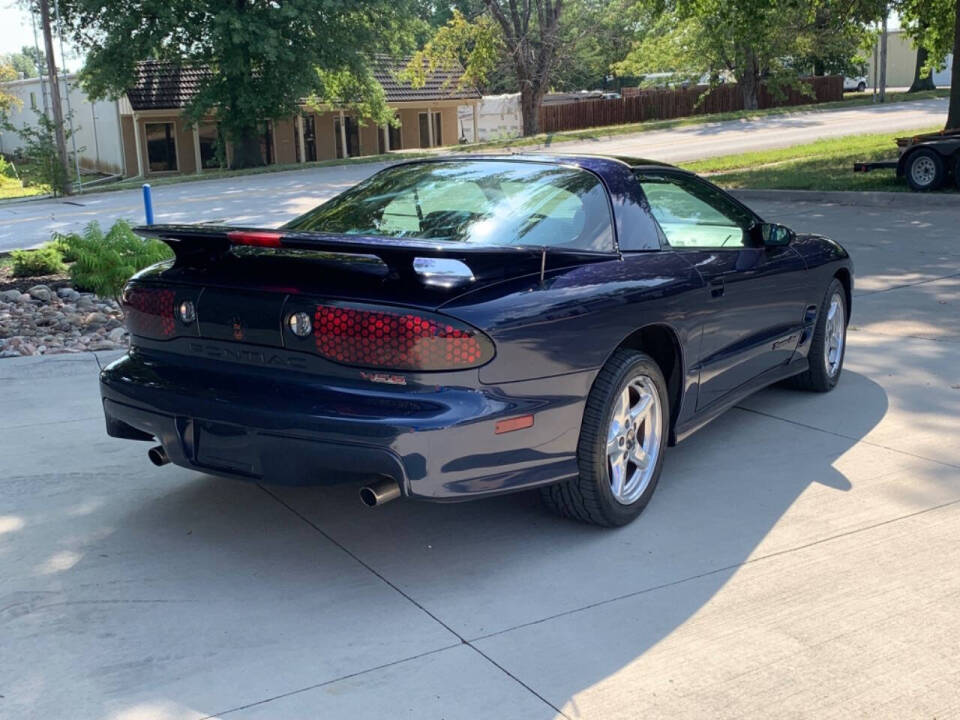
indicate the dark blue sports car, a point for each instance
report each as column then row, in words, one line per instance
column 456, row 328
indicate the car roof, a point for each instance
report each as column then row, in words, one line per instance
column 588, row 161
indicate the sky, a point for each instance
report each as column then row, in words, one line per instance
column 17, row 31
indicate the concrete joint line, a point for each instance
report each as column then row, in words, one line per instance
column 410, row 599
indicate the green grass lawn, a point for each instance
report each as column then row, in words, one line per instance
column 857, row 99
column 820, row 165
column 14, row 188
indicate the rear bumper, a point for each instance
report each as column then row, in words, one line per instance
column 286, row 427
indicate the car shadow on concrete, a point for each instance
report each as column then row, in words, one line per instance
column 559, row 604
column 524, row 586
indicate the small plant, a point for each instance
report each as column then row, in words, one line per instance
column 105, row 262
column 40, row 150
column 42, row 261
column 8, row 169
column 59, row 242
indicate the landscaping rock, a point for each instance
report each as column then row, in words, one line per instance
column 44, row 322
column 40, row 292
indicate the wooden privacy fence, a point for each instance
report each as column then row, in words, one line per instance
column 638, row 105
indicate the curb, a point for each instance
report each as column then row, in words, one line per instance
column 875, row 198
column 25, row 198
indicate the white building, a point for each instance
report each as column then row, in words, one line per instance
column 498, row 118
column 96, row 125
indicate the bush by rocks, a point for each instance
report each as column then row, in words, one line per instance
column 104, row 263
column 35, row 263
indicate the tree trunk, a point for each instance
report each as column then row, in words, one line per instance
column 749, row 81
column 530, row 100
column 953, row 115
column 921, row 83
column 246, row 151
column 61, row 137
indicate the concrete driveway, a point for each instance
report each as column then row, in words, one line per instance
column 800, row 557
column 273, row 198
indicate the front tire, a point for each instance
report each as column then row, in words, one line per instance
column 622, row 439
column 925, row 170
column 861, row 86
column 829, row 344
column 956, row 171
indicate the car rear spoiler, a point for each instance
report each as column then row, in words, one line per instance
column 430, row 262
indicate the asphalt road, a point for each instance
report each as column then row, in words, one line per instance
column 799, row 558
column 271, row 199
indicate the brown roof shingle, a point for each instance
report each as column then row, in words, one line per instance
column 162, row 85
column 440, row 85
column 165, row 85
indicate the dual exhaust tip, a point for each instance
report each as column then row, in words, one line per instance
column 378, row 493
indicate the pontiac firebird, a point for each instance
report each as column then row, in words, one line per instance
column 457, row 328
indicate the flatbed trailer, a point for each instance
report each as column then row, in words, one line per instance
column 927, row 161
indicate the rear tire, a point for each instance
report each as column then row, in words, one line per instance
column 626, row 424
column 829, row 344
column 956, row 171
column 924, row 170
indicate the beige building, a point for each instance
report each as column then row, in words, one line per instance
column 158, row 139
column 901, row 63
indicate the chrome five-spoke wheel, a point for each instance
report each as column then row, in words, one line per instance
column 834, row 335
column 633, row 439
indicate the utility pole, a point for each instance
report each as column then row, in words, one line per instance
column 883, row 56
column 55, row 94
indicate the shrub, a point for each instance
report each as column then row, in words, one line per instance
column 59, row 242
column 40, row 150
column 105, row 262
column 43, row 261
column 7, row 169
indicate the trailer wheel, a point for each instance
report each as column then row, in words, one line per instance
column 925, row 170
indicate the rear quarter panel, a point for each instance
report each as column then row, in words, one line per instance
column 577, row 317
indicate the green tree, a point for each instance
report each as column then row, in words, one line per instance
column 8, row 101
column 934, row 25
column 752, row 40
column 264, row 56
column 26, row 61
column 524, row 33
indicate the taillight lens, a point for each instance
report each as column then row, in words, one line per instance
column 397, row 340
column 149, row 312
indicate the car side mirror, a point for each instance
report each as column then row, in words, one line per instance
column 774, row 235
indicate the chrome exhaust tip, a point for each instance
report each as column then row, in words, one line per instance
column 379, row 492
column 158, row 456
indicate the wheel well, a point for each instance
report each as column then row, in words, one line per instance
column 660, row 342
column 843, row 275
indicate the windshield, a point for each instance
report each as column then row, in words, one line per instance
column 479, row 202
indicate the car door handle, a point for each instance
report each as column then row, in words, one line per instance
column 716, row 287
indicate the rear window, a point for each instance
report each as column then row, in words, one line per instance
column 478, row 202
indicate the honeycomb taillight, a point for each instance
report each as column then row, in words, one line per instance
column 149, row 312
column 397, row 340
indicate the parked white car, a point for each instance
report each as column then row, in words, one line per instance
column 855, row 83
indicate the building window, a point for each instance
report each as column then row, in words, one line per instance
column 33, row 101
column 161, row 147
column 425, row 130
column 212, row 147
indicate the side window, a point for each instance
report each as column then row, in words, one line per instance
column 695, row 215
